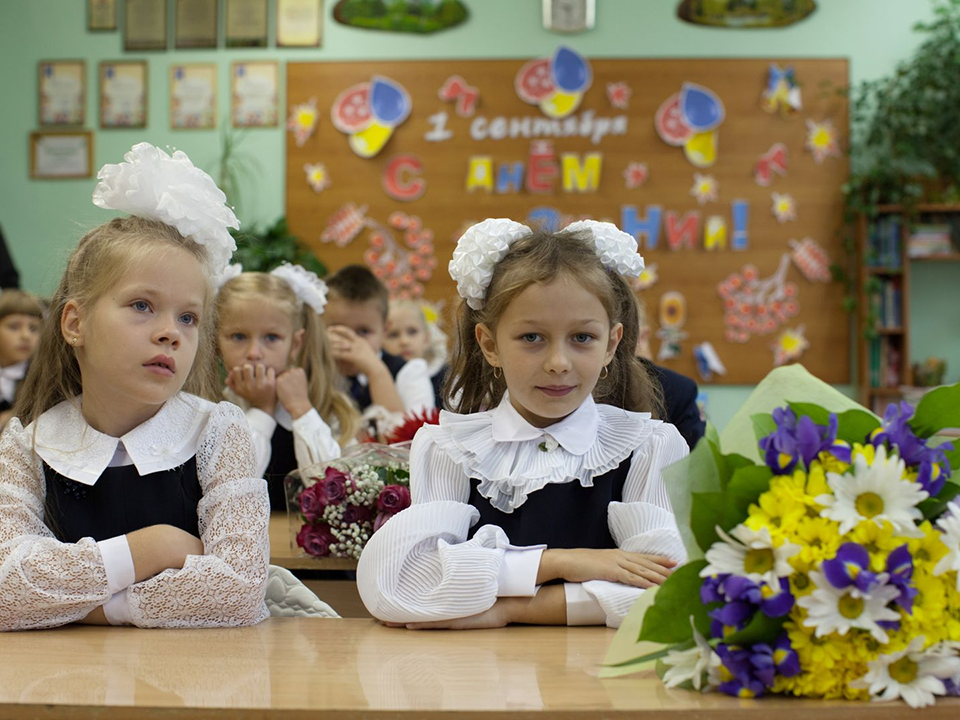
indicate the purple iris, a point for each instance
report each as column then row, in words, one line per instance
column 849, row 567
column 951, row 687
column 785, row 658
column 710, row 589
column 900, row 569
column 742, row 598
column 795, row 440
column 895, row 431
column 750, row 670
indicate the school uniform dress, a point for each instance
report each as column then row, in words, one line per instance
column 490, row 492
column 412, row 380
column 437, row 370
column 67, row 505
column 10, row 379
column 283, row 444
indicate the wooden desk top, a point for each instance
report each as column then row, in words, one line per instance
column 297, row 667
column 284, row 554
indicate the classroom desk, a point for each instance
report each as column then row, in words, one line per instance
column 299, row 667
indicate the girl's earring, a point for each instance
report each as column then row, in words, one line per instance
column 605, row 373
column 73, row 341
column 497, row 372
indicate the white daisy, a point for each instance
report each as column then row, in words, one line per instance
column 912, row 674
column 874, row 492
column 691, row 664
column 949, row 523
column 832, row 609
column 750, row 554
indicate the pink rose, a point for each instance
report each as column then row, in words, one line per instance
column 310, row 503
column 393, row 499
column 381, row 520
column 333, row 487
column 316, row 539
column 356, row 513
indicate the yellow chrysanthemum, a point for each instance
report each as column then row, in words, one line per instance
column 929, row 612
column 817, row 483
column 780, row 508
column 818, row 539
column 867, row 451
column 879, row 541
column 830, row 463
column 927, row 550
column 828, row 664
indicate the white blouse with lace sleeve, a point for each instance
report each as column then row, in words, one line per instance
column 46, row 583
column 420, row 566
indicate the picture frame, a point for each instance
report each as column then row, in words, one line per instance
column 145, row 25
column 193, row 96
column 245, row 23
column 299, row 23
column 196, row 24
column 61, row 92
column 61, row 155
column 101, row 15
column 254, row 92
column 123, row 94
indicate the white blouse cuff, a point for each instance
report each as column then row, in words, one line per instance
column 261, row 422
column 117, row 563
column 518, row 574
column 582, row 607
column 117, row 609
column 309, row 421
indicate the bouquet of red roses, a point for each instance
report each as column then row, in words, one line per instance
column 343, row 502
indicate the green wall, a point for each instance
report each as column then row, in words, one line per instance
column 43, row 219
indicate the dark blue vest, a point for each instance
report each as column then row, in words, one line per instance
column 283, row 459
column 361, row 393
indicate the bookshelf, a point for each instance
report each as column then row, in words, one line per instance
column 884, row 246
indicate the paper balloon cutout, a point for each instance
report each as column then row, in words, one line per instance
column 618, row 94
column 635, row 175
column 303, row 121
column 811, row 259
column 773, row 161
column 789, row 346
column 690, row 119
column 369, row 113
column 782, row 92
column 317, row 176
column 784, row 207
column 755, row 306
column 557, row 84
column 822, row 140
column 705, row 188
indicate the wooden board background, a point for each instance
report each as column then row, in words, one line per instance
column 746, row 133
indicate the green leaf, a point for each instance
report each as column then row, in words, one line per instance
column 711, row 509
column 816, row 413
column 760, row 629
column 711, row 434
column 854, row 426
column 751, row 481
column 938, row 409
column 933, row 507
column 668, row 620
column 763, row 425
column 695, row 473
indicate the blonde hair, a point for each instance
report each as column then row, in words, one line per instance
column 541, row 258
column 103, row 256
column 314, row 356
column 436, row 349
column 20, row 302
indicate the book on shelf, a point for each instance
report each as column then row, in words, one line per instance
column 887, row 303
column 884, row 242
column 929, row 239
column 886, row 363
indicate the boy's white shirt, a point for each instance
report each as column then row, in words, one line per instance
column 413, row 385
column 10, row 377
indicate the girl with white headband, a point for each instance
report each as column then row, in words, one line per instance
column 541, row 499
column 280, row 370
column 126, row 495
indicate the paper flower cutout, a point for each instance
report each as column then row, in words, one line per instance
column 618, row 93
column 305, row 284
column 690, row 119
column 556, row 84
column 705, row 188
column 822, row 140
column 811, row 260
column 755, row 306
column 317, row 176
column 153, row 185
column 782, row 92
column 784, row 208
column 478, row 251
column 774, row 161
column 635, row 175
column 616, row 249
column 455, row 89
column 369, row 112
column 789, row 346
column 403, row 268
column 647, row 279
column 345, row 225
column 303, row 121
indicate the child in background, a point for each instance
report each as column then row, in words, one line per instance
column 356, row 320
column 20, row 317
column 281, row 372
column 413, row 332
column 561, row 479
column 126, row 497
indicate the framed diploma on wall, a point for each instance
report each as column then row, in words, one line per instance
column 246, row 23
column 62, row 92
column 123, row 94
column 145, row 25
column 299, row 23
column 193, row 96
column 61, row 155
column 253, row 87
column 101, row 15
column 196, row 24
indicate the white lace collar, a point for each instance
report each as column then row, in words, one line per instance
column 70, row 446
column 511, row 458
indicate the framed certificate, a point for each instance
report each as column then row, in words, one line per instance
column 196, row 24
column 253, row 88
column 145, row 25
column 299, row 23
column 101, row 15
column 61, row 155
column 193, row 96
column 123, row 94
column 62, row 92
column 246, row 23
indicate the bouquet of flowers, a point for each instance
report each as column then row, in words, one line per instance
column 830, row 569
column 343, row 502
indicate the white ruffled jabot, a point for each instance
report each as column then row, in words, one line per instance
column 512, row 458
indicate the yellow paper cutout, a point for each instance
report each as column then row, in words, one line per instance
column 560, row 104
column 370, row 141
column 701, row 149
column 715, row 233
column 581, row 177
column 480, row 173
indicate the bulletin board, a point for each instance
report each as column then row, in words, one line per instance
column 729, row 172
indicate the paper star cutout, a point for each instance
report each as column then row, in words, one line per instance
column 317, row 176
column 705, row 188
column 635, row 175
column 303, row 120
column 789, row 345
column 618, row 94
column 822, row 140
column 784, row 207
